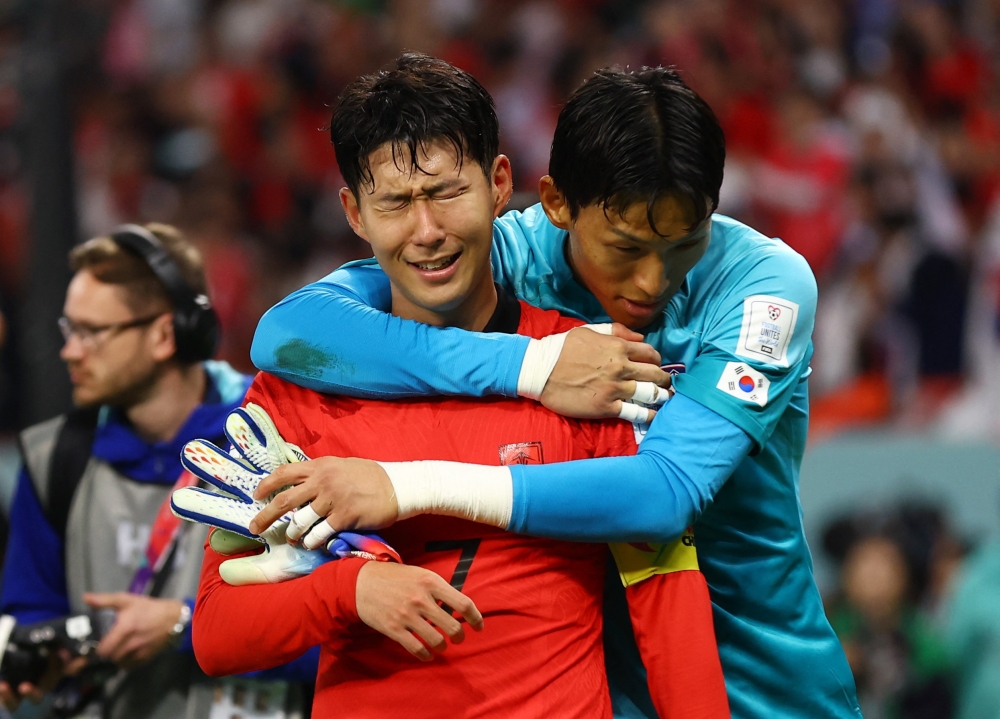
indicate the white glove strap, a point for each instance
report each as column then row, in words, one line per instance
column 475, row 492
column 540, row 359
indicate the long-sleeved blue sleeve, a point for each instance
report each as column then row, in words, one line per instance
column 356, row 348
column 34, row 574
column 688, row 454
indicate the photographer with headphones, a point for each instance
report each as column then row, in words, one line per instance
column 91, row 530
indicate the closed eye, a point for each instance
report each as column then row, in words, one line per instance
column 450, row 195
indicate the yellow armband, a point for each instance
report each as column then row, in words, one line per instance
column 638, row 561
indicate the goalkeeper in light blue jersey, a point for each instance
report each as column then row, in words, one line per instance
column 625, row 233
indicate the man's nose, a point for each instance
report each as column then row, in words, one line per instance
column 72, row 349
column 428, row 230
column 651, row 277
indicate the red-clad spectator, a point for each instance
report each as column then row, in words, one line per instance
column 173, row 101
column 801, row 184
column 229, row 99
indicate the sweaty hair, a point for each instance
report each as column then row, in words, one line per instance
column 143, row 292
column 420, row 101
column 635, row 136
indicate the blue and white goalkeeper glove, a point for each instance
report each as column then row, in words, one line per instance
column 258, row 449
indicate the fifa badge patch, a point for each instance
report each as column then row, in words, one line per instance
column 521, row 453
column 744, row 382
column 768, row 323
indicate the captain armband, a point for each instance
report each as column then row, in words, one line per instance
column 638, row 561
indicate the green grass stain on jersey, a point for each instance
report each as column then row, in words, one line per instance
column 304, row 358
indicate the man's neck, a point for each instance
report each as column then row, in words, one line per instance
column 472, row 314
column 171, row 400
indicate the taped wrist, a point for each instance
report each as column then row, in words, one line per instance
column 475, row 492
column 540, row 359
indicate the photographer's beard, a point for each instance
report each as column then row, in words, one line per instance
column 122, row 382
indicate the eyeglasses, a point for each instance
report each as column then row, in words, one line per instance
column 89, row 334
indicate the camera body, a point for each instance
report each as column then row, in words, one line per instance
column 25, row 649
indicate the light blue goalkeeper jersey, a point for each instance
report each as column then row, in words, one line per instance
column 741, row 329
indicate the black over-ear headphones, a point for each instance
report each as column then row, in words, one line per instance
column 196, row 326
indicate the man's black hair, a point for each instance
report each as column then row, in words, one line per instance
column 419, row 101
column 636, row 136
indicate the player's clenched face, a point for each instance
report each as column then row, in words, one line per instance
column 431, row 230
column 632, row 270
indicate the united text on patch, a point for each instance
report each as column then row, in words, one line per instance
column 766, row 332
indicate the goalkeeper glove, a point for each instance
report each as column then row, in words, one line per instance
column 258, row 449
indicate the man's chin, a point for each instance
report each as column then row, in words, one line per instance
column 89, row 396
column 443, row 298
column 634, row 323
column 639, row 325
column 83, row 399
column 638, row 320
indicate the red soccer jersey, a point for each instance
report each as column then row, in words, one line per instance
column 540, row 654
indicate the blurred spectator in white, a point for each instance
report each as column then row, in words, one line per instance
column 974, row 414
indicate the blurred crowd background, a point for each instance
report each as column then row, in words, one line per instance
column 864, row 133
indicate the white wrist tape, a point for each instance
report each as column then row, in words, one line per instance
column 475, row 492
column 540, row 359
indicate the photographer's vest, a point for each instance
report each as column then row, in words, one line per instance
column 105, row 536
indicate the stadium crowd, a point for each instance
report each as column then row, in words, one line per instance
column 865, row 134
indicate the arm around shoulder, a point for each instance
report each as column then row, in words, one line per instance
column 336, row 336
column 688, row 454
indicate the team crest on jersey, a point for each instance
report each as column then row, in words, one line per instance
column 768, row 323
column 674, row 369
column 521, row 453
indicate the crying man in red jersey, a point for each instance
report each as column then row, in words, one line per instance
column 418, row 148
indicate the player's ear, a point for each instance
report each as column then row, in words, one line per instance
column 502, row 184
column 554, row 203
column 353, row 212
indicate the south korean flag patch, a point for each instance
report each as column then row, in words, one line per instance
column 744, row 382
column 768, row 323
